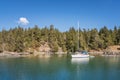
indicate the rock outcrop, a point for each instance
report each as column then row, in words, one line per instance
column 112, row 50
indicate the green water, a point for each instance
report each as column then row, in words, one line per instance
column 57, row 68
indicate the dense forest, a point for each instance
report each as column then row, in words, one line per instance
column 20, row 39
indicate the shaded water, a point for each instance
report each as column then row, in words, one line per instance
column 55, row 68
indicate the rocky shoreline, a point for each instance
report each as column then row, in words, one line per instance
column 14, row 54
column 111, row 50
column 104, row 53
column 30, row 54
column 49, row 54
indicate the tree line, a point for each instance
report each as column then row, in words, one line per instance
column 19, row 39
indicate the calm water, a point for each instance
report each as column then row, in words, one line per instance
column 55, row 68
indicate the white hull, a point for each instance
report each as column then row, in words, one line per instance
column 80, row 56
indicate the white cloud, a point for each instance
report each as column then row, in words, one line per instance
column 23, row 21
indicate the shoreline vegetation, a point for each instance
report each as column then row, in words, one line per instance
column 20, row 42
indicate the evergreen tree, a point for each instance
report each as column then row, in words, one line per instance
column 105, row 36
column 118, row 36
column 19, row 39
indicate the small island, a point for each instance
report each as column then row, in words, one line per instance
column 49, row 40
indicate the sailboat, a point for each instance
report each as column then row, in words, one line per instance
column 80, row 54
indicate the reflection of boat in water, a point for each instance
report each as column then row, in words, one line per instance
column 80, row 54
column 80, row 60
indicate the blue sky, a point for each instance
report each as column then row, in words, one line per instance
column 61, row 13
